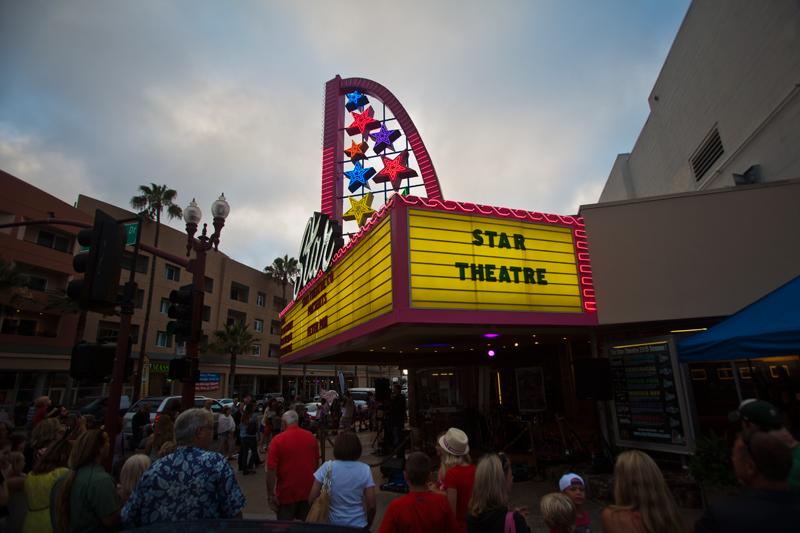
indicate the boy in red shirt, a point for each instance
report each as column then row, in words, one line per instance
column 420, row 509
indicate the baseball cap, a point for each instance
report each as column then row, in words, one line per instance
column 759, row 412
column 567, row 480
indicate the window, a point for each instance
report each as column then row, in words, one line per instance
column 261, row 299
column 163, row 340
column 239, row 292
column 34, row 283
column 259, row 325
column 236, row 316
column 275, row 327
column 274, row 350
column 255, row 349
column 206, row 313
column 141, row 262
column 278, row 302
column 209, row 285
column 108, row 332
column 13, row 326
column 54, row 241
column 172, row 272
column 164, row 307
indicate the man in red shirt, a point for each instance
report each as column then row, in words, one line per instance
column 420, row 509
column 291, row 461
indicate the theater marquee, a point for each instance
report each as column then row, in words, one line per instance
column 484, row 263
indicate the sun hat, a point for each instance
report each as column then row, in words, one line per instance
column 759, row 412
column 455, row 442
column 568, row 480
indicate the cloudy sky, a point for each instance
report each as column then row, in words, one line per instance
column 521, row 104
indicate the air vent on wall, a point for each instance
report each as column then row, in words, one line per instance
column 707, row 154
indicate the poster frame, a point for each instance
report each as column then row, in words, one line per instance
column 684, row 403
column 530, row 370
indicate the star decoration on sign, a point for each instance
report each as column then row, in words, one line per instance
column 384, row 139
column 363, row 123
column 357, row 151
column 395, row 170
column 359, row 176
column 360, row 210
column 356, row 100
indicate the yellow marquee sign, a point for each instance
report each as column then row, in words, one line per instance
column 483, row 263
column 354, row 290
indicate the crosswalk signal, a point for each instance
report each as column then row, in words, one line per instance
column 181, row 311
column 100, row 265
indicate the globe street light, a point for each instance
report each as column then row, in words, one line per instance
column 192, row 215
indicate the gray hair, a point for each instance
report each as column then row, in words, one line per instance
column 290, row 417
column 189, row 422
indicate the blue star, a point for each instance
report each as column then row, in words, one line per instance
column 355, row 99
column 384, row 138
column 359, row 176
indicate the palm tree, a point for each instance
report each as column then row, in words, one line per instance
column 283, row 270
column 235, row 339
column 150, row 202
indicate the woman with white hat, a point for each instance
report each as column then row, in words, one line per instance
column 457, row 473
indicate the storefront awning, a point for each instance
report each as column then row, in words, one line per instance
column 768, row 327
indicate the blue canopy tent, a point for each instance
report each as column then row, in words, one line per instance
column 768, row 327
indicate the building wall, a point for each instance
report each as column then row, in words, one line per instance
column 734, row 65
column 35, row 358
column 704, row 254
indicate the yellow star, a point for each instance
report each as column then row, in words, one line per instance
column 360, row 210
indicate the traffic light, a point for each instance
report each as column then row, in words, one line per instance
column 179, row 369
column 100, row 265
column 92, row 363
column 181, row 311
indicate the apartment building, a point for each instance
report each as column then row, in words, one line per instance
column 37, row 326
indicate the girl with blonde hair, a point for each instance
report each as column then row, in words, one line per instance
column 642, row 501
column 488, row 507
column 129, row 476
column 456, row 473
column 39, row 483
column 88, row 498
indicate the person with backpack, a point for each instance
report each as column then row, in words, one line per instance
column 488, row 507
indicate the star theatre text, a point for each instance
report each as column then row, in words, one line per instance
column 502, row 273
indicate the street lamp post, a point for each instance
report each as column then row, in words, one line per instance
column 197, row 266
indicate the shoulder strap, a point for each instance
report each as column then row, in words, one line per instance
column 510, row 526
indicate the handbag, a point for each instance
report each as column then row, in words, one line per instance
column 510, row 526
column 321, row 508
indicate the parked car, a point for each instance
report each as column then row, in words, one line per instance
column 227, row 402
column 96, row 406
column 262, row 403
column 157, row 406
column 360, row 395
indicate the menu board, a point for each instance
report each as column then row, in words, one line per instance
column 649, row 406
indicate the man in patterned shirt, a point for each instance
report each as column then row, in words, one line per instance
column 191, row 483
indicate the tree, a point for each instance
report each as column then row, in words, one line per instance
column 283, row 270
column 234, row 340
column 150, row 202
column 12, row 283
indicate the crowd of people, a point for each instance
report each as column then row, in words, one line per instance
column 54, row 479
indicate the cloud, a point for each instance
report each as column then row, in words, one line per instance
column 524, row 104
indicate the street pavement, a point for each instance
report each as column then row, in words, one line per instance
column 524, row 494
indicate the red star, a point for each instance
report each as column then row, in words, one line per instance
column 356, row 151
column 363, row 123
column 395, row 170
